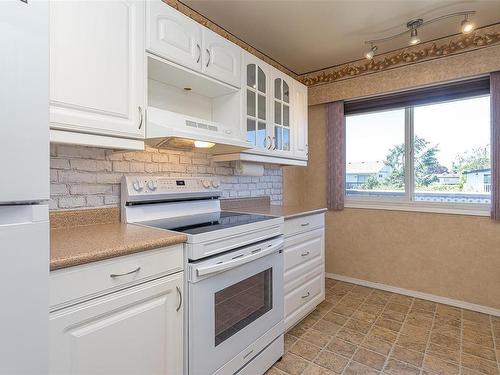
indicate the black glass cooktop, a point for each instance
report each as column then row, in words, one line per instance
column 203, row 223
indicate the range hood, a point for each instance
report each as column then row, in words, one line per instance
column 166, row 129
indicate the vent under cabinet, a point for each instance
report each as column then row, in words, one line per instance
column 200, row 125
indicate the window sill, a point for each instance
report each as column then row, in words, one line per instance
column 455, row 209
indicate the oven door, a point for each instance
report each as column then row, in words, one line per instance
column 234, row 299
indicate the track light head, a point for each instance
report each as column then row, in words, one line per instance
column 371, row 52
column 414, row 39
column 467, row 25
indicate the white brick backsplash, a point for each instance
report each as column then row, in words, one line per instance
column 90, row 177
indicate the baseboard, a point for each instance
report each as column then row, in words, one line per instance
column 412, row 293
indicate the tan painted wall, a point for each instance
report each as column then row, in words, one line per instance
column 453, row 256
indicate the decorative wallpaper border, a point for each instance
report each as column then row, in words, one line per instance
column 443, row 47
column 219, row 30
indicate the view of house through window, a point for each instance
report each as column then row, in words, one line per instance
column 451, row 153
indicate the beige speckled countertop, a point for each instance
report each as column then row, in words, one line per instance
column 72, row 246
column 288, row 212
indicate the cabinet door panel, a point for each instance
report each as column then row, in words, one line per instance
column 173, row 36
column 300, row 121
column 221, row 58
column 136, row 331
column 97, row 66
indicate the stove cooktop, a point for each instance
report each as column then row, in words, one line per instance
column 203, row 223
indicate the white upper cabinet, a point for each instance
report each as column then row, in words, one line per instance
column 173, row 36
column 282, row 113
column 97, row 68
column 256, row 93
column 300, row 131
column 221, row 58
column 177, row 38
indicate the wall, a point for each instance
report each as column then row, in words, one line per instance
column 90, row 177
column 453, row 256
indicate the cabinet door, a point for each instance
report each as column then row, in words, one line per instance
column 300, row 124
column 173, row 36
column 282, row 113
column 97, row 67
column 135, row 331
column 256, row 95
column 221, row 58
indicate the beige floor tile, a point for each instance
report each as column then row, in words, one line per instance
column 316, row 337
column 446, row 310
column 402, row 300
column 327, row 327
column 305, row 350
column 412, row 343
column 343, row 309
column 375, row 299
column 289, row 341
column 475, row 316
column 299, row 330
column 480, row 365
column 351, row 336
column 313, row 369
column 341, row 347
column 331, row 361
column 403, row 309
column 444, row 352
column 478, row 339
column 355, row 368
column 364, row 316
column 478, row 351
column 446, row 330
column 389, row 324
column 421, row 313
column 371, row 308
column 437, row 366
column 419, row 322
column 292, row 364
column 468, row 371
column 443, row 340
column 369, row 358
column 377, row 345
column 335, row 318
column 358, row 325
column 274, row 371
column 424, row 305
column 329, row 283
column 393, row 315
column 408, row 356
column 400, row 368
column 383, row 334
column 411, row 330
column 448, row 320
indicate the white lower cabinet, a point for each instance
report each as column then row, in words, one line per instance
column 136, row 330
column 304, row 278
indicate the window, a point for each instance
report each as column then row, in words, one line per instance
column 431, row 156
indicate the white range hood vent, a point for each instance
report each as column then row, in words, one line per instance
column 167, row 129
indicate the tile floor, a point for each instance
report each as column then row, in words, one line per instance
column 359, row 330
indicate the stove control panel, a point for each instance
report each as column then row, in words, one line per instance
column 159, row 187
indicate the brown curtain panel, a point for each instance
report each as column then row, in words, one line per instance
column 495, row 145
column 335, row 139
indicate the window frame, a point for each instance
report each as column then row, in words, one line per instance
column 407, row 202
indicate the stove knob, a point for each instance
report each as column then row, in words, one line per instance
column 137, row 185
column 152, row 185
column 205, row 183
column 215, row 183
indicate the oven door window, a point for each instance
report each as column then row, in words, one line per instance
column 242, row 303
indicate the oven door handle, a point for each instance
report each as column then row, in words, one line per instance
column 238, row 261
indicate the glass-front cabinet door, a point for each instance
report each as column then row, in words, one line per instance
column 256, row 114
column 281, row 114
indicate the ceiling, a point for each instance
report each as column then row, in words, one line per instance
column 305, row 36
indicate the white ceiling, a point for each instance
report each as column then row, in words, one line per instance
column 310, row 35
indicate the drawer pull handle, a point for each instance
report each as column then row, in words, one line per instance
column 306, row 295
column 180, row 298
column 305, row 254
column 246, row 355
column 126, row 273
column 304, row 224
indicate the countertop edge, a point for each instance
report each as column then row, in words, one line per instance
column 306, row 213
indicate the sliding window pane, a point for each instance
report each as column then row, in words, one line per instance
column 452, row 151
column 375, row 154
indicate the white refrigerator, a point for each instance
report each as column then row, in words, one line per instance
column 24, row 186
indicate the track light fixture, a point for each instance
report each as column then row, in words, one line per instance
column 371, row 52
column 466, row 27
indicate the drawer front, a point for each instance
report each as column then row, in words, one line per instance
column 302, row 295
column 303, row 248
column 304, row 224
column 80, row 283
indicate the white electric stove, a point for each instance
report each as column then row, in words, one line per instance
column 234, row 271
